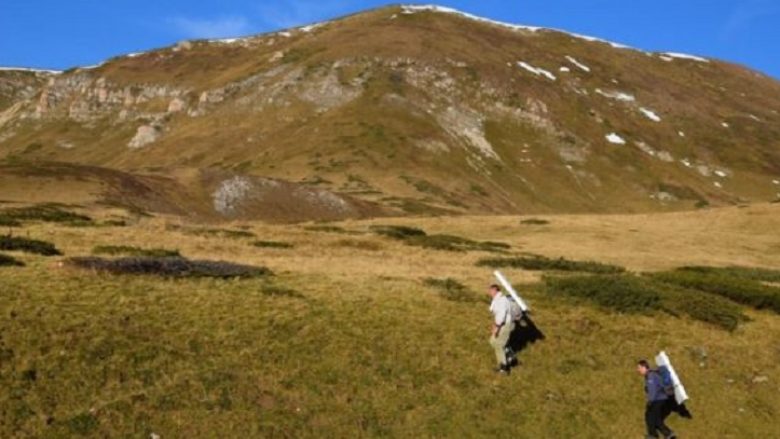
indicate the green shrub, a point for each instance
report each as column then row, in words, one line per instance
column 134, row 251
column 542, row 263
column 744, row 291
column 9, row 261
column 451, row 289
column 17, row 243
column 534, row 222
column 629, row 293
column 221, row 233
column 758, row 274
column 397, row 232
column 417, row 237
column 52, row 213
column 327, row 229
column 272, row 244
column 622, row 293
column 7, row 221
column 169, row 267
column 704, row 307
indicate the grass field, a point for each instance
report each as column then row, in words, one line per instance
column 351, row 338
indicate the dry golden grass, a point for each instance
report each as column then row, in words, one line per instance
column 371, row 351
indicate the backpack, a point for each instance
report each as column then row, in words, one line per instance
column 515, row 312
column 666, row 380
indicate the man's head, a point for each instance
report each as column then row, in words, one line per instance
column 493, row 290
column 642, row 366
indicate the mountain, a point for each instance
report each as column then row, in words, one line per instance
column 398, row 110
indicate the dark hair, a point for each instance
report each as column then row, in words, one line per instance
column 495, row 287
column 643, row 363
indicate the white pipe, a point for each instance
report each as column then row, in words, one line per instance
column 680, row 395
column 508, row 287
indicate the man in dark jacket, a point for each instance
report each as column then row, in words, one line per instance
column 658, row 404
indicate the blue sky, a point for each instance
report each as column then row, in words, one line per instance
column 59, row 34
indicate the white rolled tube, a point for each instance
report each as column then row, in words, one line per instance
column 680, row 395
column 508, row 287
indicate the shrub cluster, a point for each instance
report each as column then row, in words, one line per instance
column 272, row 244
column 327, row 229
column 418, row 237
column 633, row 294
column 623, row 293
column 536, row 262
column 451, row 289
column 9, row 261
column 17, row 243
column 129, row 250
column 51, row 213
column 534, row 222
column 740, row 290
column 221, row 233
column 752, row 273
column 169, row 267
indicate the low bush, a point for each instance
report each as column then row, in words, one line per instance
column 536, row 262
column 534, row 222
column 633, row 294
column 327, row 229
column 272, row 244
column 397, row 232
column 752, row 273
column 17, row 243
column 169, row 267
column 9, row 261
column 6, row 221
column 704, row 307
column 623, row 293
column 51, row 213
column 744, row 291
column 220, row 233
column 129, row 250
column 451, row 289
column 417, row 237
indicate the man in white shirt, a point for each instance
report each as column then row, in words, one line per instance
column 502, row 326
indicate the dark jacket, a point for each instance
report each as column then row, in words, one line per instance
column 654, row 387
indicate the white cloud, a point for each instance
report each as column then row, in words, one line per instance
column 292, row 13
column 211, row 28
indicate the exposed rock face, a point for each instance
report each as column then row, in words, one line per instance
column 145, row 135
column 176, row 105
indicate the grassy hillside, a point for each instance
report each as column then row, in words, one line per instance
column 348, row 338
column 418, row 112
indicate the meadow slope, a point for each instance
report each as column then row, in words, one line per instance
column 347, row 340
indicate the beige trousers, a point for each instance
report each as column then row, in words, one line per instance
column 499, row 341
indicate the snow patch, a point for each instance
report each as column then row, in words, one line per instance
column 411, row 9
column 581, row 66
column 650, row 114
column 565, row 69
column 617, row 95
column 717, row 184
column 27, row 69
column 680, row 133
column 777, row 182
column 615, row 138
column 686, row 56
column 686, row 162
column 536, row 70
column 721, row 174
column 725, row 125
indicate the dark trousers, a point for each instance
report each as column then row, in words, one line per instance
column 655, row 415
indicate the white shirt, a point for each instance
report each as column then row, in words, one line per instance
column 500, row 309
